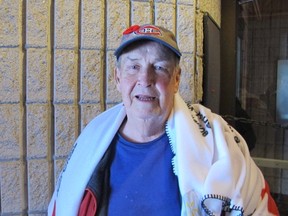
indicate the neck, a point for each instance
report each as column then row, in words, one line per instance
column 141, row 131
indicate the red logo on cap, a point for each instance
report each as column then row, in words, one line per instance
column 131, row 29
column 145, row 30
column 149, row 30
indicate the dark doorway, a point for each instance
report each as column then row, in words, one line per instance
column 254, row 83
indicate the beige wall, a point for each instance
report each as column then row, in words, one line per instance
column 56, row 63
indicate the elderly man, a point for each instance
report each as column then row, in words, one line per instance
column 153, row 154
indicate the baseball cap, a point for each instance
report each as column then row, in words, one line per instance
column 148, row 32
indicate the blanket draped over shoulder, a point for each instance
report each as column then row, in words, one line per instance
column 212, row 163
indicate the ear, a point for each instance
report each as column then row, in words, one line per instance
column 177, row 79
column 117, row 78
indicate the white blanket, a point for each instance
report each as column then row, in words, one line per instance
column 212, row 163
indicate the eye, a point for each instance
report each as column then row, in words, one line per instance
column 160, row 69
column 157, row 67
column 134, row 67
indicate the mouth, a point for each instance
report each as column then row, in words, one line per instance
column 145, row 98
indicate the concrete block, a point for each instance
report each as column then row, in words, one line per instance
column 66, row 24
column 91, row 78
column 10, row 25
column 11, row 79
column 59, row 165
column 165, row 15
column 38, row 130
column 117, row 21
column 11, row 131
column 66, row 128
column 112, row 94
column 12, row 187
column 186, row 87
column 213, row 7
column 89, row 112
column 200, row 34
column 199, row 80
column 186, row 2
column 110, row 105
column 142, row 12
column 65, row 76
column 186, row 28
column 38, row 23
column 92, row 24
column 165, row 1
column 38, row 185
column 38, row 76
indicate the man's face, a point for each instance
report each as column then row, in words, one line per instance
column 148, row 78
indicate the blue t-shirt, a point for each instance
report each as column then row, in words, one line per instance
column 142, row 180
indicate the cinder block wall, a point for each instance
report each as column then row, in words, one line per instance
column 56, row 66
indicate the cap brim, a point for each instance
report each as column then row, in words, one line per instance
column 119, row 50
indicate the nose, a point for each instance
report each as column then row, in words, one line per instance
column 146, row 77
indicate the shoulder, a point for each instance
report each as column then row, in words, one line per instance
column 107, row 115
column 205, row 116
column 111, row 118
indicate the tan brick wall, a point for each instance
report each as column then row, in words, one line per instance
column 56, row 64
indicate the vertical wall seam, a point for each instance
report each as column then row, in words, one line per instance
column 103, row 83
column 153, row 12
column 196, row 72
column 50, row 56
column 79, row 63
column 24, row 98
column 130, row 13
column 175, row 22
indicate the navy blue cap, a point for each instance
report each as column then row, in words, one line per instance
column 148, row 32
